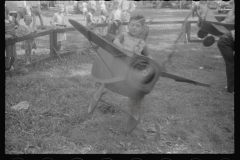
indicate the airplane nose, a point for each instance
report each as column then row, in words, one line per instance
column 143, row 73
column 208, row 41
column 202, row 34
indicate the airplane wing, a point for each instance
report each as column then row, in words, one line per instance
column 209, row 17
column 104, row 44
column 220, row 28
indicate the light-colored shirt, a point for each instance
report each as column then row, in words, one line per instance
column 230, row 17
column 58, row 18
column 127, row 5
column 131, row 44
column 102, row 5
column 115, row 15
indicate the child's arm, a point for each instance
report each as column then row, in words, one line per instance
column 118, row 40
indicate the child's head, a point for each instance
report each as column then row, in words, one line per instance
column 61, row 8
column 136, row 24
column 92, row 9
column 116, row 4
column 27, row 20
column 104, row 12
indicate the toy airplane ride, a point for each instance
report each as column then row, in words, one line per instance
column 124, row 73
column 209, row 23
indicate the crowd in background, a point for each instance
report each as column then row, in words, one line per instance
column 114, row 13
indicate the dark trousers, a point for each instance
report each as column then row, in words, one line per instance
column 226, row 47
column 36, row 12
column 113, row 28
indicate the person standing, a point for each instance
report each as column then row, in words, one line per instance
column 58, row 22
column 66, row 8
column 21, row 10
column 84, row 9
column 10, row 32
column 28, row 45
column 102, row 5
column 226, row 46
column 126, row 8
column 115, row 19
column 103, row 18
column 36, row 11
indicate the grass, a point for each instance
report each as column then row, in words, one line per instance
column 178, row 117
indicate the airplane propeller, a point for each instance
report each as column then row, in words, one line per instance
column 117, row 52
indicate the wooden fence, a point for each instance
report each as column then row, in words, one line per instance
column 186, row 29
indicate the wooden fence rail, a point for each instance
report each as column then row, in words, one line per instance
column 186, row 26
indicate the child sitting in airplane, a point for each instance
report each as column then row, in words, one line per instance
column 133, row 42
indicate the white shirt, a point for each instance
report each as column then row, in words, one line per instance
column 102, row 5
column 116, row 15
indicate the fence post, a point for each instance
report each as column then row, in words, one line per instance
column 53, row 43
column 188, row 31
column 184, row 31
